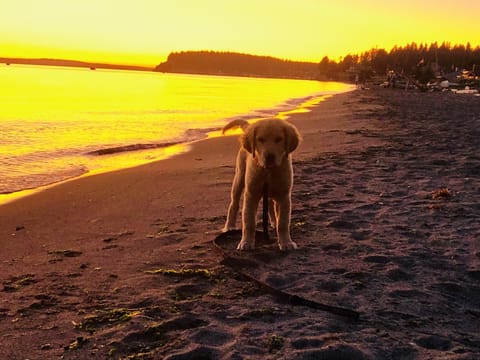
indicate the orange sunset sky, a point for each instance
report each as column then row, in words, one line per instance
column 143, row 32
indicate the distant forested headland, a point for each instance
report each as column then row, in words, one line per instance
column 236, row 64
column 416, row 60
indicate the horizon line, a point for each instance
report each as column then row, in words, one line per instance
column 152, row 66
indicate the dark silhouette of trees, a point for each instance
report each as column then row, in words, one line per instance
column 229, row 63
column 417, row 61
column 328, row 69
column 421, row 61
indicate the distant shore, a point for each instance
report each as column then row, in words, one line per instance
column 72, row 63
column 262, row 67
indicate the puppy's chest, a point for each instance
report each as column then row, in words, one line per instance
column 278, row 184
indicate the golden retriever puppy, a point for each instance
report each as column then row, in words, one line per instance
column 264, row 158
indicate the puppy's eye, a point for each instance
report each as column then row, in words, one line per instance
column 261, row 140
column 278, row 139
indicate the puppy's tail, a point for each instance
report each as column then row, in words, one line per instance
column 243, row 124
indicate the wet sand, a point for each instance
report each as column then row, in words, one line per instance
column 385, row 211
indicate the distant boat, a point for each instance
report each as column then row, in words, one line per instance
column 92, row 68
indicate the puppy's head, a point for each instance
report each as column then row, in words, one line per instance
column 271, row 141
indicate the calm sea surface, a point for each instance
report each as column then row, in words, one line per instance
column 60, row 123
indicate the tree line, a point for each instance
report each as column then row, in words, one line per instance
column 407, row 60
column 231, row 63
column 422, row 61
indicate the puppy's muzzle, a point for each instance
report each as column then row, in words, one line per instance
column 270, row 160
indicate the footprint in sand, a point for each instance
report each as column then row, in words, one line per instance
column 189, row 291
column 332, row 352
column 360, row 235
column 16, row 283
column 333, row 247
column 211, row 337
column 158, row 335
column 474, row 274
column 434, row 342
column 377, row 259
column 307, row 343
column 41, row 302
column 331, row 286
column 4, row 312
column 66, row 253
column 407, row 293
column 342, row 225
column 397, row 274
column 449, row 289
column 198, row 352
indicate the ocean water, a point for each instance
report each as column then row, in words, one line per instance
column 59, row 123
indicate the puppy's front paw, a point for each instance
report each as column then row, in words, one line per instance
column 288, row 245
column 246, row 245
column 227, row 228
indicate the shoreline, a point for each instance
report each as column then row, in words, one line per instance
column 163, row 152
column 9, row 197
column 51, row 140
column 384, row 210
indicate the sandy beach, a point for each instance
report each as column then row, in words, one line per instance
column 386, row 213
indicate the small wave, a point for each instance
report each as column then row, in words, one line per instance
column 195, row 134
column 15, row 183
column 133, row 147
column 300, row 100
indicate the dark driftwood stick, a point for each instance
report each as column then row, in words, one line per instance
column 296, row 300
column 238, row 264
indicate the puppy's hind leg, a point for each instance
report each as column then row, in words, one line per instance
column 272, row 213
column 236, row 193
column 232, row 213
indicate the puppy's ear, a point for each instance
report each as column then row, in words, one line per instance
column 292, row 138
column 248, row 140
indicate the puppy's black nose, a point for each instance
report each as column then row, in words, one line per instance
column 270, row 159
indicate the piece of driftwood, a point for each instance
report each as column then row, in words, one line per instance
column 239, row 264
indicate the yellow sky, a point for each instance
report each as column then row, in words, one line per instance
column 145, row 31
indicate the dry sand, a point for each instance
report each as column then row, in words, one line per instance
column 121, row 265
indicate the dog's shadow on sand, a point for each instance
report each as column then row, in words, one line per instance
column 266, row 249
